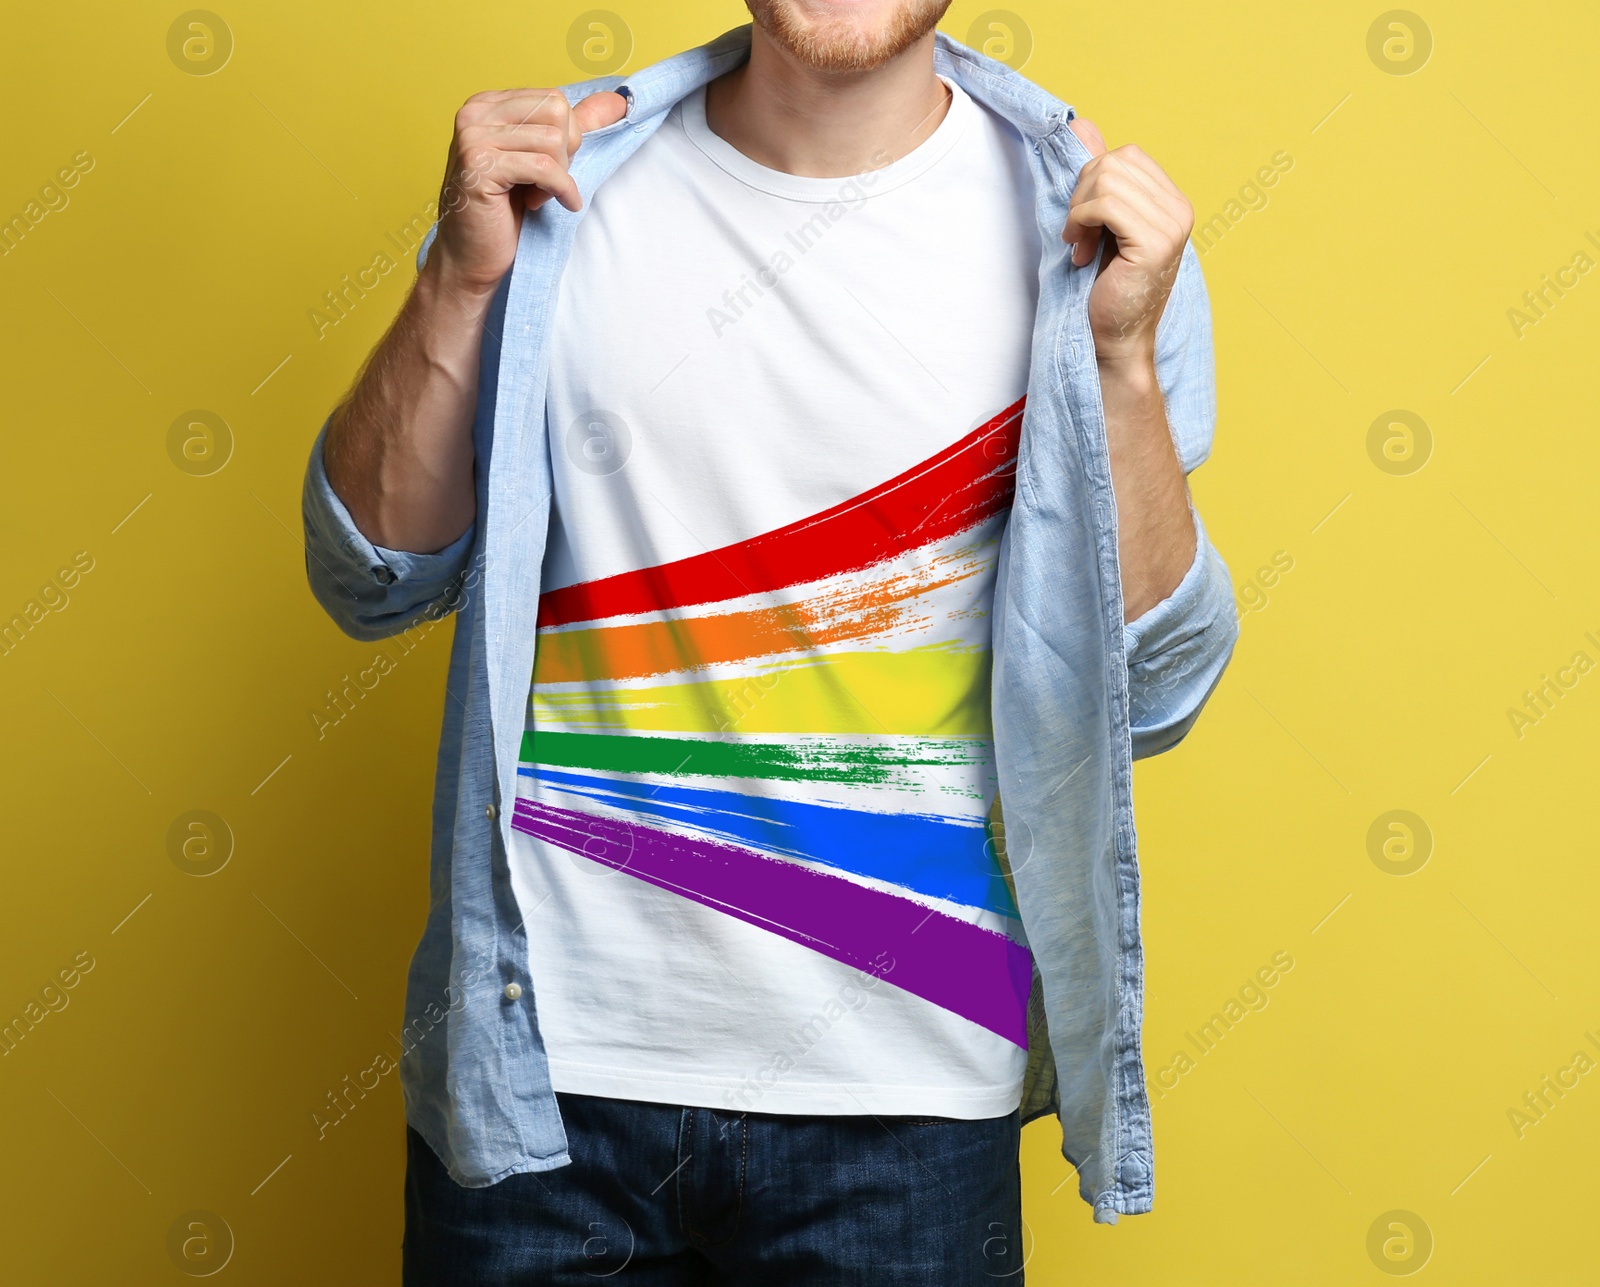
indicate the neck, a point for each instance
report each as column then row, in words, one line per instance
column 788, row 116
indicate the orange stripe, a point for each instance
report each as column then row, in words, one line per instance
column 845, row 614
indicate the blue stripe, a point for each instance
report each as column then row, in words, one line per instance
column 935, row 856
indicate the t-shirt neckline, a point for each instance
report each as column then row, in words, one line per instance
column 799, row 187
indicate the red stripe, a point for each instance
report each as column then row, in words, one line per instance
column 962, row 485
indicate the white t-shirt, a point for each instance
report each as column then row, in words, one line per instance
column 751, row 841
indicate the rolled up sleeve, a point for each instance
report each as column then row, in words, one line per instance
column 370, row 592
column 1177, row 650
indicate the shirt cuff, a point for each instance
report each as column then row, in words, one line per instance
column 1188, row 609
column 369, row 590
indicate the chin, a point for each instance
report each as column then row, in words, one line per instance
column 846, row 35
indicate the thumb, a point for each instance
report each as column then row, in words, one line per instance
column 1088, row 134
column 598, row 111
column 1084, row 240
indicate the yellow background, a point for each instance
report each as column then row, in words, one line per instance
column 222, row 1010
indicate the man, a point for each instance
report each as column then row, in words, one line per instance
column 811, row 482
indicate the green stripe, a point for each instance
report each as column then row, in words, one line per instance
column 819, row 759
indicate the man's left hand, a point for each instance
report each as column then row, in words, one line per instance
column 1126, row 193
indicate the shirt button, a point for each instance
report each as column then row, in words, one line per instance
column 513, row 991
column 488, row 812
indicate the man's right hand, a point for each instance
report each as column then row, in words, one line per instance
column 510, row 153
column 399, row 449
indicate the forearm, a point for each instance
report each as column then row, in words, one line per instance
column 399, row 448
column 1155, row 530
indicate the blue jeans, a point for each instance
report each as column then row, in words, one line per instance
column 658, row 1194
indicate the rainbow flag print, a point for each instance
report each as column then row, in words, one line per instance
column 794, row 730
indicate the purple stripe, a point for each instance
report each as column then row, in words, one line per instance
column 966, row 969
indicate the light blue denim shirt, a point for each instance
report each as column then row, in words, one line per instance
column 1077, row 694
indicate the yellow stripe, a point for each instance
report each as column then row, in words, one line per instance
column 938, row 690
